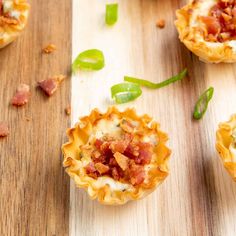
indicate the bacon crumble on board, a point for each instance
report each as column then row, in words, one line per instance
column 68, row 110
column 4, row 131
column 122, row 159
column 49, row 86
column 161, row 23
column 49, row 48
column 221, row 21
column 21, row 96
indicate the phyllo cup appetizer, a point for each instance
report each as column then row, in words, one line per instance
column 116, row 156
column 226, row 145
column 13, row 18
column 208, row 29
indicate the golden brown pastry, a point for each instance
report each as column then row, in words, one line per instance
column 13, row 18
column 226, row 145
column 208, row 29
column 116, row 156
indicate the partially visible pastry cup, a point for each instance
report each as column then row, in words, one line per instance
column 13, row 18
column 226, row 145
column 208, row 29
column 116, row 156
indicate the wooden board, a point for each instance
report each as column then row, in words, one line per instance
column 34, row 188
column 198, row 197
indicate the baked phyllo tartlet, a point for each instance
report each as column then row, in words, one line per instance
column 208, row 29
column 226, row 145
column 116, row 156
column 13, row 18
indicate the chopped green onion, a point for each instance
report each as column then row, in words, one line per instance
column 125, row 92
column 111, row 13
column 151, row 85
column 202, row 103
column 92, row 59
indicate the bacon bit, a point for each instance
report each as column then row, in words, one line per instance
column 137, row 174
column 118, row 146
column 212, row 24
column 161, row 23
column 68, row 110
column 49, row 86
column 22, row 95
column 1, row 7
column 122, row 160
column 101, row 168
column 127, row 126
column 115, row 173
column 49, row 48
column 90, row 168
column 7, row 21
column 96, row 154
column 4, row 131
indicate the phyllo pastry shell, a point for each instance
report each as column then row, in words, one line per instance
column 208, row 29
column 13, row 18
column 226, row 145
column 116, row 156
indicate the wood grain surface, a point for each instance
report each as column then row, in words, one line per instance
column 34, row 190
column 198, row 198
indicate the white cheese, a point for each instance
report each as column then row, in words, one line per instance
column 15, row 14
column 114, row 185
column 7, row 6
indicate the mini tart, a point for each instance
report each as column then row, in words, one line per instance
column 226, row 145
column 116, row 156
column 208, row 29
column 13, row 18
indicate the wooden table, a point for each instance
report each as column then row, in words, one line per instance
column 198, row 198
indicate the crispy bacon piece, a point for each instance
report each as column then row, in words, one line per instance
column 7, row 21
column 137, row 174
column 49, row 86
column 4, row 131
column 22, row 95
column 161, row 23
column 101, row 168
column 49, row 48
column 212, row 24
column 68, row 110
column 122, row 160
column 1, row 7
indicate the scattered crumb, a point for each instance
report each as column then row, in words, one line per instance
column 161, row 23
column 49, row 49
column 68, row 110
column 49, row 86
column 27, row 119
column 21, row 96
column 4, row 131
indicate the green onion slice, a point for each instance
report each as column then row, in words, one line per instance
column 125, row 92
column 92, row 59
column 202, row 103
column 151, row 85
column 111, row 13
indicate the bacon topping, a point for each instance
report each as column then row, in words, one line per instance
column 7, row 21
column 122, row 159
column 221, row 22
column 49, row 86
column 161, row 23
column 4, row 131
column 1, row 7
column 49, row 48
column 68, row 110
column 22, row 95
